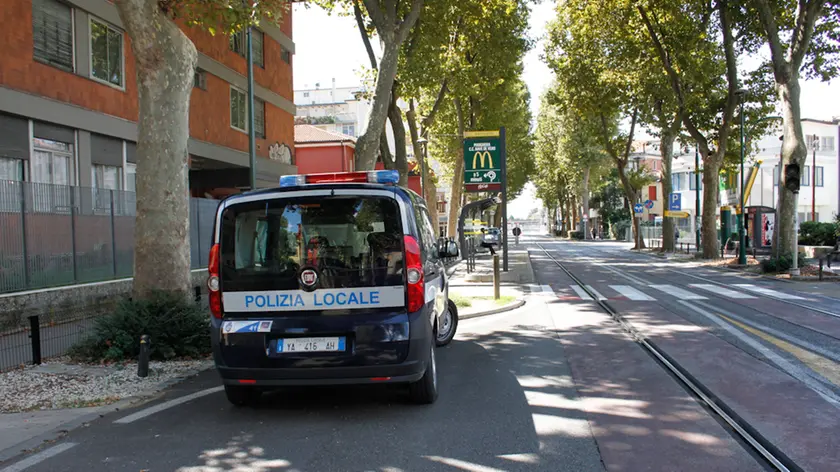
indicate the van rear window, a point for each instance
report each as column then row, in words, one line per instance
column 350, row 241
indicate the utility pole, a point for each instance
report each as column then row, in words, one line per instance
column 252, row 146
column 742, row 233
column 697, row 213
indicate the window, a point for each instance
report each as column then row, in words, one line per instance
column 652, row 192
column 200, row 79
column 239, row 45
column 51, row 162
column 52, row 33
column 692, row 181
column 818, row 179
column 348, row 129
column 286, row 55
column 106, row 177
column 776, row 176
column 259, row 118
column 130, row 177
column 827, row 143
column 11, row 169
column 238, row 109
column 805, row 216
column 805, row 177
column 677, row 181
column 305, row 94
column 106, row 53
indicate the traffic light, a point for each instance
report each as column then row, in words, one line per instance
column 792, row 177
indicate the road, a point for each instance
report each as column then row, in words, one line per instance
column 557, row 385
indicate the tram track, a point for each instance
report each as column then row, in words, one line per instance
column 749, row 437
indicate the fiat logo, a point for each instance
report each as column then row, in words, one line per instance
column 308, row 277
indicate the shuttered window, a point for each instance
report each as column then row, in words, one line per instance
column 52, row 31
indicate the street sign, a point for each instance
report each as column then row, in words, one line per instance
column 675, row 202
column 638, row 208
column 482, row 161
column 677, row 214
column 648, row 204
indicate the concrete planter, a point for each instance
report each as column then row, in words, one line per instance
column 815, row 252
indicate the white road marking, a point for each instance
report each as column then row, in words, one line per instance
column 38, row 458
column 547, row 290
column 166, row 405
column 769, row 293
column 580, row 292
column 463, row 465
column 678, row 292
column 595, row 292
column 632, row 294
column 723, row 291
column 631, row 278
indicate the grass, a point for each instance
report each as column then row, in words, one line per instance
column 460, row 300
column 463, row 302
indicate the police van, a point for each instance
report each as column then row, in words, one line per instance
column 328, row 279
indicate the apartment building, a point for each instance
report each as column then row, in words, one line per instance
column 68, row 100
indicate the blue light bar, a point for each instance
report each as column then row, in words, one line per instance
column 384, row 176
column 292, row 180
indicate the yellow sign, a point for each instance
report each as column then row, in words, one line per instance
column 479, row 157
column 481, row 134
column 677, row 214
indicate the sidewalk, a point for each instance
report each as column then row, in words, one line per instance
column 473, row 292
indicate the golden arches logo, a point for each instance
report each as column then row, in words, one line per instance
column 479, row 156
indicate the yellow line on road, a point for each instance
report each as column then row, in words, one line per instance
column 819, row 364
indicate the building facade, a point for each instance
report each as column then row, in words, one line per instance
column 318, row 151
column 69, row 110
column 340, row 110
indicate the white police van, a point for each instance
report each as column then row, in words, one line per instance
column 328, row 279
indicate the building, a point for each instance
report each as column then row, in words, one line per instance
column 318, row 151
column 68, row 100
column 342, row 110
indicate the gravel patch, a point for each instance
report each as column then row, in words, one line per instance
column 63, row 384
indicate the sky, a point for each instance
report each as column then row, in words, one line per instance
column 329, row 47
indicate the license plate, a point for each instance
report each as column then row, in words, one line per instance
column 333, row 344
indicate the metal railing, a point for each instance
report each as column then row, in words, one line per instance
column 53, row 235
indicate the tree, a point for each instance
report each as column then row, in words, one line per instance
column 393, row 21
column 165, row 63
column 802, row 38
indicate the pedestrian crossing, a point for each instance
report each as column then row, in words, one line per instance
column 650, row 292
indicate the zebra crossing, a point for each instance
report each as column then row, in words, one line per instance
column 650, row 292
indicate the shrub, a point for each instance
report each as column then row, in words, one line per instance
column 575, row 234
column 780, row 264
column 813, row 233
column 177, row 328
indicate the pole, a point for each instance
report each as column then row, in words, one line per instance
column 814, row 179
column 113, row 237
column 742, row 240
column 504, row 199
column 697, row 197
column 252, row 146
column 496, row 278
column 794, row 269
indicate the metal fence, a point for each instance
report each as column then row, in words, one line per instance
column 52, row 235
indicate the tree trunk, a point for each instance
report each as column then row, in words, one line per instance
column 575, row 213
column 666, row 150
column 165, row 60
column 369, row 141
column 587, row 231
column 428, row 186
column 709, row 236
column 395, row 117
column 793, row 150
column 457, row 176
column 385, row 153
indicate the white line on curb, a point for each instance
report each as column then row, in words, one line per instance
column 38, row 458
column 165, row 405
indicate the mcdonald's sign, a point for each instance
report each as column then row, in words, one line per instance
column 482, row 160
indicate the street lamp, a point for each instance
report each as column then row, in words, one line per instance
column 742, row 232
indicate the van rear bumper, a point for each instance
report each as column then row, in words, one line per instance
column 408, row 371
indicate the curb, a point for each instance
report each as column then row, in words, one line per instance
column 495, row 311
column 44, row 439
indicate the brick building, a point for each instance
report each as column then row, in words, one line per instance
column 68, row 100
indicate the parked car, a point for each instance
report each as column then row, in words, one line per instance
column 328, row 279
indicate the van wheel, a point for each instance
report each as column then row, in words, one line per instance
column 447, row 324
column 425, row 391
column 242, row 396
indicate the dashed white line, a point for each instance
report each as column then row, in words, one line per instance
column 678, row 292
column 38, row 458
column 723, row 291
column 632, row 294
column 768, row 292
column 166, row 405
column 580, row 292
column 595, row 292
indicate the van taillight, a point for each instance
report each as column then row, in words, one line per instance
column 416, row 290
column 213, row 282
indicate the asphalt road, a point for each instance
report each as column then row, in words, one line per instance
column 554, row 386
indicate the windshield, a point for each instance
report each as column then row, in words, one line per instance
column 350, row 241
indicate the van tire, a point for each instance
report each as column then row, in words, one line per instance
column 451, row 326
column 242, row 396
column 425, row 391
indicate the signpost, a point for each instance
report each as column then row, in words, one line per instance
column 485, row 170
column 638, row 209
